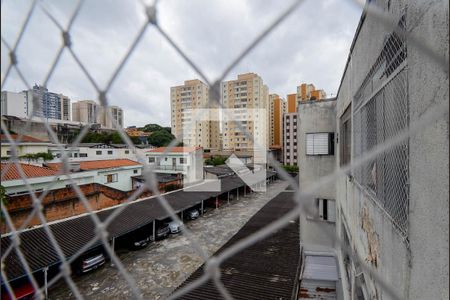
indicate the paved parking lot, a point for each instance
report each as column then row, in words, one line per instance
column 162, row 266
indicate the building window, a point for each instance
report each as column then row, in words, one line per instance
column 8, row 152
column 98, row 152
column 325, row 210
column 110, row 152
column 182, row 160
column 75, row 155
column 346, row 137
column 111, row 178
column 127, row 151
column 151, row 159
column 320, row 143
column 135, row 171
column 83, row 155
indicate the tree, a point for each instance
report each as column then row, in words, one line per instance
column 215, row 161
column 160, row 138
column 152, row 128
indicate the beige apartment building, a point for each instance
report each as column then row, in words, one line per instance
column 90, row 112
column 194, row 130
column 243, row 95
column 307, row 92
column 277, row 108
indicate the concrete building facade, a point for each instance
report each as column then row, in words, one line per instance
column 14, row 104
column 242, row 95
column 90, row 112
column 186, row 100
column 392, row 212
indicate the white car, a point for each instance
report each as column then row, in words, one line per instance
column 175, row 226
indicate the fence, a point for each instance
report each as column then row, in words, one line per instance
column 381, row 152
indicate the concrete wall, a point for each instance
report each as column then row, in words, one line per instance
column 417, row 269
column 315, row 117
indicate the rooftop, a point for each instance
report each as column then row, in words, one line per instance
column 23, row 139
column 175, row 149
column 98, row 164
column 268, row 269
column 12, row 172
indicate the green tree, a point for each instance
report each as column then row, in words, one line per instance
column 160, row 138
column 215, row 160
column 291, row 169
column 152, row 128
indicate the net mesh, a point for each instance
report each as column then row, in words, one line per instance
column 380, row 132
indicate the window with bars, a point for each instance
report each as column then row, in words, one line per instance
column 381, row 112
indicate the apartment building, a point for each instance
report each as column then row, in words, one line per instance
column 290, row 146
column 306, row 92
column 50, row 105
column 291, row 103
column 194, row 130
column 86, row 111
column 14, row 104
column 392, row 211
column 277, row 108
column 90, row 112
column 248, row 98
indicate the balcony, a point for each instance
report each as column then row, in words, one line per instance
column 170, row 168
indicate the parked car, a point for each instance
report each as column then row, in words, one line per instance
column 140, row 242
column 23, row 292
column 192, row 214
column 162, row 231
column 89, row 262
column 175, row 226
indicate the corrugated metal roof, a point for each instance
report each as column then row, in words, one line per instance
column 320, row 267
column 30, row 171
column 269, row 269
column 74, row 233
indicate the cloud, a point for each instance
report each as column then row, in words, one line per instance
column 310, row 46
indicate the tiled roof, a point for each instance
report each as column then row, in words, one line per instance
column 12, row 172
column 98, row 164
column 175, row 149
column 23, row 139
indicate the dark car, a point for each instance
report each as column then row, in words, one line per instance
column 140, row 242
column 162, row 231
column 192, row 214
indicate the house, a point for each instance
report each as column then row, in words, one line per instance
column 99, row 151
column 24, row 145
column 103, row 183
column 187, row 161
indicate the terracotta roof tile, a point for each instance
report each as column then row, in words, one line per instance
column 175, row 149
column 30, row 171
column 98, row 164
column 24, row 139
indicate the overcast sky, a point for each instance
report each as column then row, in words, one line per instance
column 311, row 46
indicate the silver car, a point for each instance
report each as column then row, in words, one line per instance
column 175, row 226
